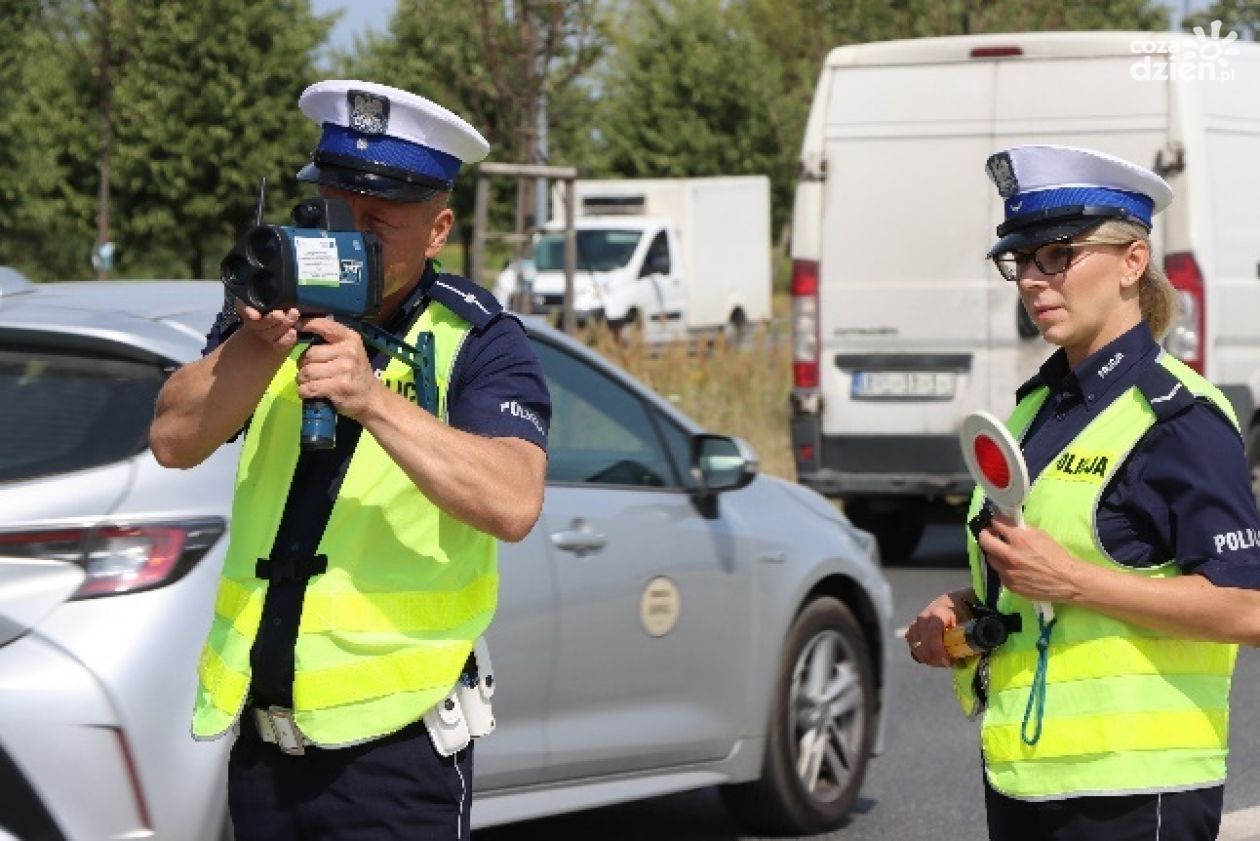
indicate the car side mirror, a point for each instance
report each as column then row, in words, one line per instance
column 720, row 463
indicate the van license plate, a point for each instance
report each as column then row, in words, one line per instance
column 903, row 385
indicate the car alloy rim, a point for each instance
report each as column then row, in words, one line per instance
column 827, row 712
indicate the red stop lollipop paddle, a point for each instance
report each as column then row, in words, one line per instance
column 994, row 459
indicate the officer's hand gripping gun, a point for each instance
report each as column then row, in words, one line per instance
column 322, row 265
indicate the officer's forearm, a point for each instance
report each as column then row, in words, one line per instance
column 492, row 484
column 1185, row 606
column 205, row 402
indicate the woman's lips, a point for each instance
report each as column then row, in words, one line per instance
column 1043, row 313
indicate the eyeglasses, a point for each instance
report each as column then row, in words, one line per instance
column 1050, row 259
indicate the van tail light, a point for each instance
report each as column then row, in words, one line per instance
column 996, row 52
column 1185, row 340
column 120, row 558
column 805, row 323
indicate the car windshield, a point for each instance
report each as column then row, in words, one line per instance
column 60, row 412
column 597, row 251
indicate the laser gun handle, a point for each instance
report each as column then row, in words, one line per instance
column 319, row 416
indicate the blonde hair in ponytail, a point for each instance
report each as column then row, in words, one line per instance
column 1156, row 296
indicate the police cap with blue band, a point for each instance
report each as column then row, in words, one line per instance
column 1053, row 193
column 386, row 142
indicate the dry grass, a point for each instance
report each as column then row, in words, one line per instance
column 736, row 389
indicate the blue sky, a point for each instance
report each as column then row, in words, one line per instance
column 357, row 16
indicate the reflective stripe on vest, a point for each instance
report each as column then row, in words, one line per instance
column 386, row 630
column 1115, row 692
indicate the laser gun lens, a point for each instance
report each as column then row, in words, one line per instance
column 263, row 291
column 992, row 462
column 988, row 633
column 264, row 247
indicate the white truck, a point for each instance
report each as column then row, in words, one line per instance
column 668, row 256
column 902, row 328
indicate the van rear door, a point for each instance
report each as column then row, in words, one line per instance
column 904, row 289
column 1227, row 244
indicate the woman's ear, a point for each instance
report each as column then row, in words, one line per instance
column 1135, row 260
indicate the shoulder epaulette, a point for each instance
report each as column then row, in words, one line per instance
column 470, row 301
column 1032, row 384
column 1167, row 395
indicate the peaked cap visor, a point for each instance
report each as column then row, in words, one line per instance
column 368, row 183
column 1026, row 234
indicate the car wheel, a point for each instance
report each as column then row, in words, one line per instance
column 820, row 731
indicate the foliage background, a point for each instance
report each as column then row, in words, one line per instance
column 149, row 123
column 178, row 107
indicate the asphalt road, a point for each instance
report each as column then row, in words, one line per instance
column 927, row 783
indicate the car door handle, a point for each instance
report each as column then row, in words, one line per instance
column 579, row 539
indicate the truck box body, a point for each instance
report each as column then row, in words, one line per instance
column 715, row 233
column 894, row 214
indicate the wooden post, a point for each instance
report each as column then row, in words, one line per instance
column 481, row 215
column 570, row 253
column 481, row 219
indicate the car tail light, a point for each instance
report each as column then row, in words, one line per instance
column 1186, row 338
column 805, row 323
column 120, row 558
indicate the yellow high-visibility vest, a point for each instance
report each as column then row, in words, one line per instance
column 385, row 632
column 1126, row 709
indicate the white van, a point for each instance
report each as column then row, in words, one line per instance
column 902, row 327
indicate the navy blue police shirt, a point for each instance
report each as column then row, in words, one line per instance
column 498, row 390
column 1184, row 492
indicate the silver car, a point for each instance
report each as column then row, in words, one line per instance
column 674, row 621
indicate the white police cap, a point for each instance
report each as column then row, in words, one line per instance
column 386, row 142
column 1057, row 192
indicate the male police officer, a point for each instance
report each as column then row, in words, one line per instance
column 357, row 579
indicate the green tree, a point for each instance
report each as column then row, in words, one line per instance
column 682, row 98
column 1241, row 16
column 919, row 18
column 207, row 107
column 48, row 174
column 788, row 40
column 492, row 62
column 150, row 123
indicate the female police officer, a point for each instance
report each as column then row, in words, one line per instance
column 1110, row 720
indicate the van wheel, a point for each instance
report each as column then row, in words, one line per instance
column 896, row 522
column 820, row 732
column 628, row 330
column 735, row 330
column 1253, row 461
